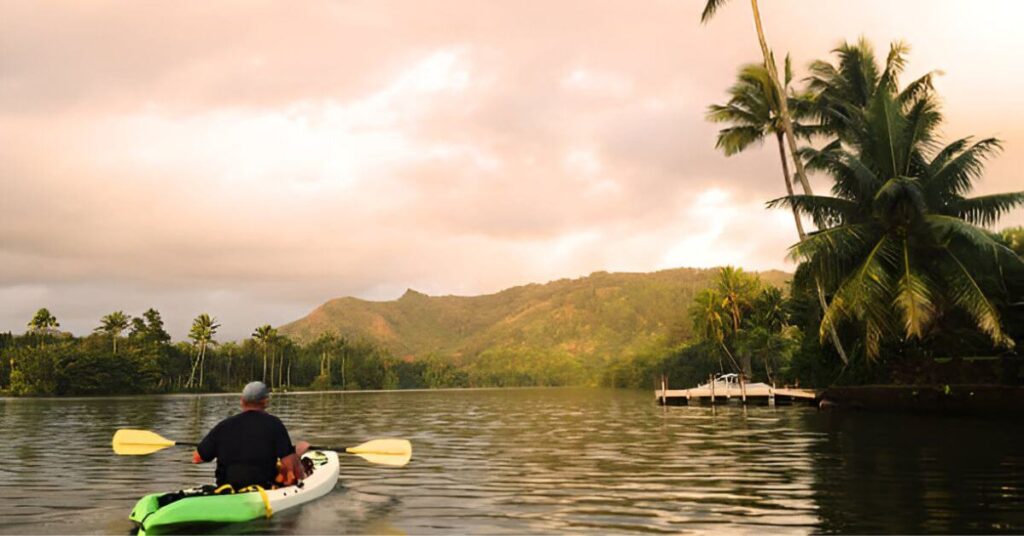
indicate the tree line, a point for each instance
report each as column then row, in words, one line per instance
column 128, row 355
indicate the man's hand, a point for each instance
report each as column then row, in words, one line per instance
column 196, row 458
column 291, row 470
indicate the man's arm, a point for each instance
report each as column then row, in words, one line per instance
column 207, row 449
column 291, row 462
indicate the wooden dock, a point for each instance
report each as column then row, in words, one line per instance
column 729, row 388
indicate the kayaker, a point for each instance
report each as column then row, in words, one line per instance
column 247, row 446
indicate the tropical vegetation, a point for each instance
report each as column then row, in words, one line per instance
column 901, row 255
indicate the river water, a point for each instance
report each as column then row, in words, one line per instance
column 538, row 461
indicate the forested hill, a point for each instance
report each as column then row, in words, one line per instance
column 587, row 320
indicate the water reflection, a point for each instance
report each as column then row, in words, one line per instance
column 922, row 474
column 539, row 460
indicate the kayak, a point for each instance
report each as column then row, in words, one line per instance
column 159, row 512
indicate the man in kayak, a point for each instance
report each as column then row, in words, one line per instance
column 247, row 446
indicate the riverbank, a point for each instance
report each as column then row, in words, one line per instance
column 958, row 399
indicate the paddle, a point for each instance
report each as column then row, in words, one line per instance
column 393, row 452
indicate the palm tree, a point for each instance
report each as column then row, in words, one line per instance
column 737, row 290
column 114, row 324
column 786, row 121
column 264, row 335
column 43, row 324
column 43, row 321
column 770, row 308
column 708, row 317
column 204, row 327
column 767, row 330
column 899, row 240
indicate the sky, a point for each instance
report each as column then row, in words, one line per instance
column 253, row 159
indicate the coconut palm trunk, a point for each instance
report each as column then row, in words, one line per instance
column 202, row 362
column 195, row 364
column 789, row 184
column 801, row 174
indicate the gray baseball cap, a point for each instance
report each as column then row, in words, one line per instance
column 255, row 392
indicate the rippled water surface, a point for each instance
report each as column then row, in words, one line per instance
column 538, row 461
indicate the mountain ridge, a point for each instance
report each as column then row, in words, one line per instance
column 590, row 319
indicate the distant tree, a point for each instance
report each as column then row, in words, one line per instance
column 708, row 315
column 1014, row 239
column 155, row 331
column 265, row 335
column 137, row 329
column 324, row 348
column 114, row 324
column 204, row 327
column 738, row 290
column 43, row 324
column 229, row 351
column 769, row 309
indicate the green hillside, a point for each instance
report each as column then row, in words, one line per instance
column 570, row 326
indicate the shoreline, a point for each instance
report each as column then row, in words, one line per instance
column 946, row 399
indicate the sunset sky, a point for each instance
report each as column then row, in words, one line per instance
column 254, row 159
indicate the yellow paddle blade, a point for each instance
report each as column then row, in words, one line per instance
column 389, row 447
column 393, row 452
column 138, row 442
column 393, row 460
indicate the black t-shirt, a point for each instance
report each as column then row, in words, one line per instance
column 247, row 447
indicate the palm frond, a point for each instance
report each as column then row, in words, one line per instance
column 964, row 291
column 918, row 89
column 831, row 254
column 825, row 211
column 943, row 156
column 923, row 118
column 788, row 69
column 710, row 8
column 957, row 174
column 886, row 136
column 733, row 113
column 949, row 229
column 857, row 67
column 865, row 296
column 733, row 140
column 895, row 62
column 853, row 179
column 914, row 296
column 986, row 210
